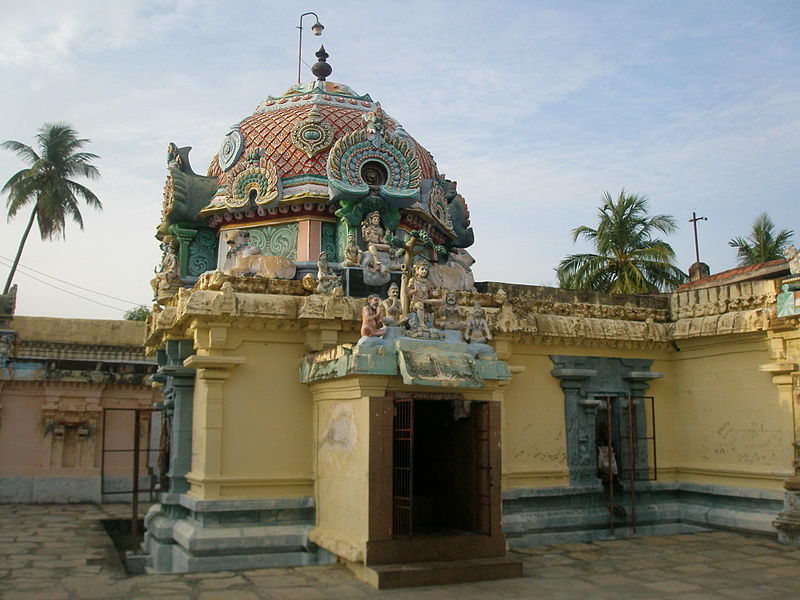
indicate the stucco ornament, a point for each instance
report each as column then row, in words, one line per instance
column 373, row 169
column 256, row 183
column 231, row 149
column 167, row 280
column 456, row 273
column 376, row 239
column 327, row 281
column 477, row 329
column 392, row 307
column 312, row 135
column 421, row 295
column 243, row 258
column 352, row 253
column 372, row 324
column 793, row 257
column 449, row 314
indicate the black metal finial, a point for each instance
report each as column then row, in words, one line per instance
column 321, row 68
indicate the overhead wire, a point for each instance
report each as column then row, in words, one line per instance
column 21, row 269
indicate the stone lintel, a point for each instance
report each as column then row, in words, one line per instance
column 642, row 375
column 566, row 374
column 778, row 368
column 212, row 362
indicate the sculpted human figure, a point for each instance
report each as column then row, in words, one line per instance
column 372, row 317
column 793, row 257
column 392, row 307
column 6, row 349
column 421, row 292
column 477, row 330
column 327, row 281
column 375, row 238
column 449, row 314
column 352, row 253
column 167, row 277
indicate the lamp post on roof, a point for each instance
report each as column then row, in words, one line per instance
column 317, row 28
column 694, row 221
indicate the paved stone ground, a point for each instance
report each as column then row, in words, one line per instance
column 61, row 552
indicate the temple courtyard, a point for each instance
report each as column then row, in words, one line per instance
column 55, row 552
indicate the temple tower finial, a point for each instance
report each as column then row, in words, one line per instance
column 321, row 68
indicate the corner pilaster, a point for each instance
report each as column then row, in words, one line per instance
column 212, row 372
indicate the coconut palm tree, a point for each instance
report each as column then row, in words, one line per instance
column 762, row 244
column 47, row 183
column 629, row 260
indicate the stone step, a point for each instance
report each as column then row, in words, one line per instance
column 441, row 572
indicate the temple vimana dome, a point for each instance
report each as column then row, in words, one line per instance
column 337, row 387
column 300, row 174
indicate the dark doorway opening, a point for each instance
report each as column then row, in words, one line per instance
column 441, row 467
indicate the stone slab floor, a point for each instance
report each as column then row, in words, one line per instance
column 61, row 552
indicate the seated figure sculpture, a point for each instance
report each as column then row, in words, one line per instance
column 477, row 329
column 421, row 294
column 372, row 317
column 375, row 238
column 352, row 253
column 327, row 281
column 449, row 314
column 167, row 279
column 392, row 307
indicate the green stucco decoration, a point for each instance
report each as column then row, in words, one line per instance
column 329, row 246
column 353, row 211
column 185, row 192
column 202, row 253
column 276, row 240
column 184, row 233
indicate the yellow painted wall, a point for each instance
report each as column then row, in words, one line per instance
column 728, row 423
column 718, row 418
column 342, row 469
column 534, row 430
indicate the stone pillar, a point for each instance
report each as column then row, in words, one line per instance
column 580, row 413
column 178, row 389
column 786, row 379
column 212, row 372
column 185, row 237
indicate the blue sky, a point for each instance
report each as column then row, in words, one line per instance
column 535, row 108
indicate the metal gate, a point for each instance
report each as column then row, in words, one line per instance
column 630, row 444
column 403, row 467
column 143, row 457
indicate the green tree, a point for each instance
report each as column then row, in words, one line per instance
column 47, row 185
column 629, row 260
column 762, row 244
column 140, row 313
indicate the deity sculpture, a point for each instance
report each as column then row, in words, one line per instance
column 793, row 258
column 6, row 349
column 375, row 238
column 421, row 293
column 477, row 329
column 372, row 317
column 327, row 281
column 449, row 314
column 352, row 253
column 167, row 278
column 392, row 307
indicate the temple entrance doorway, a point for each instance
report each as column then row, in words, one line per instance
column 441, row 467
